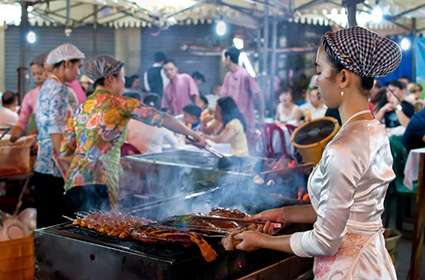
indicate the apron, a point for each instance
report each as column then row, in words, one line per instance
column 359, row 256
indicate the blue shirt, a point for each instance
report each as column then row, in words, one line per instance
column 415, row 131
column 53, row 107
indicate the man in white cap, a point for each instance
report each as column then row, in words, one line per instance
column 54, row 106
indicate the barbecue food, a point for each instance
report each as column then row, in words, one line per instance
column 206, row 224
column 227, row 213
column 169, row 235
column 127, row 227
column 111, row 223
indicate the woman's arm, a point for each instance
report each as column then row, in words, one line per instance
column 298, row 115
column 253, row 240
column 225, row 136
column 210, row 127
column 301, row 214
column 277, row 117
column 381, row 112
column 402, row 118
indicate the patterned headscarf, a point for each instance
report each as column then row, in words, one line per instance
column 102, row 66
column 364, row 52
column 64, row 52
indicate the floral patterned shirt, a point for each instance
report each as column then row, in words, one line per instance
column 94, row 137
column 54, row 106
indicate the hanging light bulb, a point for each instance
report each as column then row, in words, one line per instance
column 405, row 44
column 31, row 37
column 221, row 28
column 238, row 43
column 377, row 15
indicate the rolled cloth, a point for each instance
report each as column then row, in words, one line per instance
column 364, row 52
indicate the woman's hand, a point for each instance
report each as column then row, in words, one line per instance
column 250, row 240
column 389, row 107
column 197, row 139
column 15, row 134
column 275, row 219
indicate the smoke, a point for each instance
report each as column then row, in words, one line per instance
column 158, row 186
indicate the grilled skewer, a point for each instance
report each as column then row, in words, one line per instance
column 128, row 227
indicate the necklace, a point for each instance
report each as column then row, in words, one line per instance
column 356, row 115
column 54, row 77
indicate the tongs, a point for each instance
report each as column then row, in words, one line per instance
column 207, row 147
column 6, row 130
column 267, row 177
column 223, row 219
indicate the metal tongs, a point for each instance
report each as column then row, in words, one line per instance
column 6, row 130
column 207, row 147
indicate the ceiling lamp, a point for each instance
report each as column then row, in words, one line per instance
column 221, row 28
column 377, row 15
column 405, row 44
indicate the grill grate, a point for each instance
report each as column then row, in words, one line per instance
column 169, row 251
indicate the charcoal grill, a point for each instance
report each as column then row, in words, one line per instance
column 67, row 252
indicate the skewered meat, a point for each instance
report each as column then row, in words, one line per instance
column 201, row 223
column 185, row 238
column 111, row 223
column 123, row 226
column 227, row 213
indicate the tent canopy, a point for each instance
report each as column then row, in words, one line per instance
column 398, row 15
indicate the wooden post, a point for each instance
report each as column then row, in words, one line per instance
column 23, row 49
column 418, row 236
column 414, row 41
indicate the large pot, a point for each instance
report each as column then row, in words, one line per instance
column 310, row 139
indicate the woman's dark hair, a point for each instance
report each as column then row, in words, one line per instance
column 380, row 99
column 230, row 111
column 397, row 84
column 367, row 82
column 59, row 64
column 39, row 60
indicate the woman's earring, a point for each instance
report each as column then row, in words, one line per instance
column 342, row 93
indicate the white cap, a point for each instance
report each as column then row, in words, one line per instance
column 64, row 52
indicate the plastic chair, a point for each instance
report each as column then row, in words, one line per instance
column 290, row 128
column 128, row 149
column 269, row 131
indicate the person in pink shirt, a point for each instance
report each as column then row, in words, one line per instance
column 39, row 75
column 180, row 91
column 242, row 87
column 78, row 91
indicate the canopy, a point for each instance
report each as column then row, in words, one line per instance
column 398, row 15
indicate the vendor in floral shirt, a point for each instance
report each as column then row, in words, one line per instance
column 96, row 133
column 53, row 106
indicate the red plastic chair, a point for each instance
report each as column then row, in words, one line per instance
column 128, row 149
column 290, row 128
column 268, row 132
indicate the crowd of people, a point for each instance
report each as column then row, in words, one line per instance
column 82, row 125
